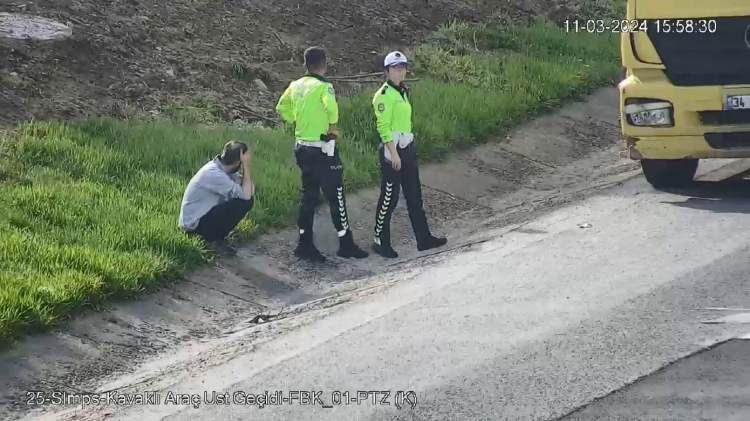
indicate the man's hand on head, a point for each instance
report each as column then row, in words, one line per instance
column 247, row 183
column 246, row 157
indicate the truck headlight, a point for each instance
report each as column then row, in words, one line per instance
column 649, row 113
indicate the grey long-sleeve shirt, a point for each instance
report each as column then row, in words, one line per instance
column 209, row 187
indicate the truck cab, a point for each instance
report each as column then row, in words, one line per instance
column 686, row 91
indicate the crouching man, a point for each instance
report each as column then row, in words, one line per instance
column 218, row 196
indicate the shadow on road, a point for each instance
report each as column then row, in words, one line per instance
column 730, row 196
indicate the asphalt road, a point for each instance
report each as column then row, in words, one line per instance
column 710, row 385
column 537, row 322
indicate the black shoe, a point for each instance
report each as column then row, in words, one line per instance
column 384, row 250
column 222, row 248
column 431, row 243
column 352, row 251
column 348, row 248
column 309, row 252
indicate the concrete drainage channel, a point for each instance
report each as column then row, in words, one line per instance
column 264, row 291
column 711, row 384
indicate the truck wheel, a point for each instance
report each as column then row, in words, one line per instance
column 666, row 173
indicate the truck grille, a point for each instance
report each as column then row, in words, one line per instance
column 721, row 58
column 728, row 140
column 725, row 118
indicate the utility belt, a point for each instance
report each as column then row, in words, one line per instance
column 401, row 140
column 327, row 147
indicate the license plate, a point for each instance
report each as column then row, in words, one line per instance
column 738, row 102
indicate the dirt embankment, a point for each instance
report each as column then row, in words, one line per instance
column 145, row 56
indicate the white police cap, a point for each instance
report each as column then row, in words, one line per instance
column 394, row 58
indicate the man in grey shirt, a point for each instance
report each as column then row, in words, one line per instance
column 217, row 197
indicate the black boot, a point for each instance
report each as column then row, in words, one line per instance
column 382, row 243
column 431, row 242
column 347, row 247
column 306, row 249
column 222, row 248
column 384, row 249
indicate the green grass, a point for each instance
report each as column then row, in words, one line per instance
column 89, row 209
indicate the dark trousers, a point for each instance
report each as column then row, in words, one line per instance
column 390, row 185
column 221, row 220
column 321, row 172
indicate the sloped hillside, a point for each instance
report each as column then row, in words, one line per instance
column 128, row 57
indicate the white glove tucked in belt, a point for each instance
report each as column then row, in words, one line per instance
column 403, row 139
column 329, row 148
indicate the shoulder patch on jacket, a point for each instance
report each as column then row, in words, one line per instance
column 381, row 107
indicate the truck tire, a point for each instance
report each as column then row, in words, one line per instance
column 666, row 173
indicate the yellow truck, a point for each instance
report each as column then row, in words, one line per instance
column 686, row 91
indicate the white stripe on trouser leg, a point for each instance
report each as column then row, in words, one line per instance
column 383, row 211
column 342, row 209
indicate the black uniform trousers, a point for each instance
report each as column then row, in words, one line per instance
column 391, row 184
column 221, row 220
column 321, row 172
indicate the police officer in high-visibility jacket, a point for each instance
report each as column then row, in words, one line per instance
column 398, row 160
column 310, row 104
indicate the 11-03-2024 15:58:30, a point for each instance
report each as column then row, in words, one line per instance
column 664, row 26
